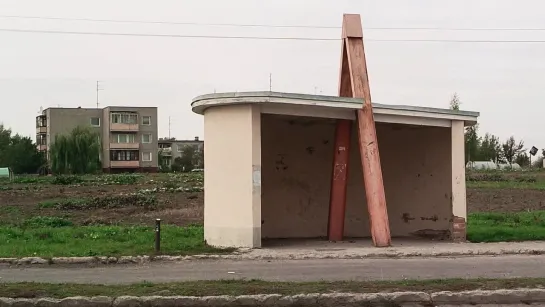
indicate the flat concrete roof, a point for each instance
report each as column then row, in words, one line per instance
column 201, row 103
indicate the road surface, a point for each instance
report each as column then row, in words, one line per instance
column 287, row 270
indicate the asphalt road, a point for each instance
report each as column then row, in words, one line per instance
column 288, row 270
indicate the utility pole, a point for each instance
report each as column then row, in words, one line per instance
column 270, row 82
column 98, row 89
column 169, row 127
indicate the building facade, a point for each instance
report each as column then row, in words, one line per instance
column 172, row 148
column 129, row 135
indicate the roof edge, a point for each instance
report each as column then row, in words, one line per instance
column 348, row 100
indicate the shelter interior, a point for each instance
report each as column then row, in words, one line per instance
column 296, row 172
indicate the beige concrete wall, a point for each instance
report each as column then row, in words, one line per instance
column 459, row 207
column 63, row 120
column 232, row 212
column 296, row 171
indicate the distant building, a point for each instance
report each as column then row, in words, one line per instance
column 128, row 134
column 171, row 148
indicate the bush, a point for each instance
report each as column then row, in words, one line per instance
column 47, row 221
column 122, row 179
column 530, row 179
column 494, row 177
column 148, row 202
column 67, row 179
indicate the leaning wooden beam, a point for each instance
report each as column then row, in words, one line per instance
column 341, row 155
column 354, row 82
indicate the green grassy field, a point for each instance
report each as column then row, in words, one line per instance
column 502, row 227
column 248, row 287
column 97, row 215
column 53, row 237
column 64, row 240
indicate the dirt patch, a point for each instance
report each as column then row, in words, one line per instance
column 505, row 200
column 22, row 202
column 183, row 208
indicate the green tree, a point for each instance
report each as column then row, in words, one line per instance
column 177, row 165
column 455, row 102
column 490, row 149
column 22, row 155
column 76, row 153
column 472, row 143
column 189, row 157
column 522, row 159
column 511, row 148
column 5, row 137
column 19, row 153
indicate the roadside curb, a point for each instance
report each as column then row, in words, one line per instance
column 248, row 254
column 475, row 298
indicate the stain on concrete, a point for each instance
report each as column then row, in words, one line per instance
column 407, row 217
column 434, row 218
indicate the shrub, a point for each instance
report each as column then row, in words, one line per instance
column 148, row 202
column 67, row 179
column 47, row 221
column 494, row 177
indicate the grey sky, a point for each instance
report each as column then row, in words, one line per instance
column 502, row 81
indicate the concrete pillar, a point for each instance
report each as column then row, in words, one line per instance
column 459, row 208
column 232, row 180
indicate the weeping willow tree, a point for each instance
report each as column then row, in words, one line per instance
column 76, row 153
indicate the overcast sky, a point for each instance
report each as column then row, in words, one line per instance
column 503, row 81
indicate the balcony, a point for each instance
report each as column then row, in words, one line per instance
column 124, row 127
column 124, row 164
column 41, row 130
column 166, row 151
column 124, row 145
column 42, row 147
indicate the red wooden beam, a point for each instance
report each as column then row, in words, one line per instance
column 354, row 82
column 337, row 201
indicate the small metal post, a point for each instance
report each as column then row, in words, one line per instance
column 158, row 235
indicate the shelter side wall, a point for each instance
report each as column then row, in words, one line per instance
column 232, row 154
column 297, row 157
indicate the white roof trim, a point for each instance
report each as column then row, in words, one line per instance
column 201, row 103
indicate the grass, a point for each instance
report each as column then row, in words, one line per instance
column 504, row 227
column 248, row 287
column 47, row 236
column 54, row 237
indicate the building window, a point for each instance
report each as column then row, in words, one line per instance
column 123, row 138
column 146, row 138
column 124, row 118
column 146, row 156
column 41, row 139
column 146, row 120
column 124, row 155
column 95, row 121
column 41, row 121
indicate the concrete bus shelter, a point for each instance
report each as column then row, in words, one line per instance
column 269, row 164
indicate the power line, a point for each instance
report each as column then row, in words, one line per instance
column 263, row 25
column 264, row 37
column 170, row 22
column 169, row 35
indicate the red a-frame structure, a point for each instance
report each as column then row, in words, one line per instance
column 354, row 82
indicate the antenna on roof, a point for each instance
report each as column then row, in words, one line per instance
column 98, row 89
column 41, row 110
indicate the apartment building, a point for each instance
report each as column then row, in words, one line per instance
column 128, row 134
column 172, row 148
